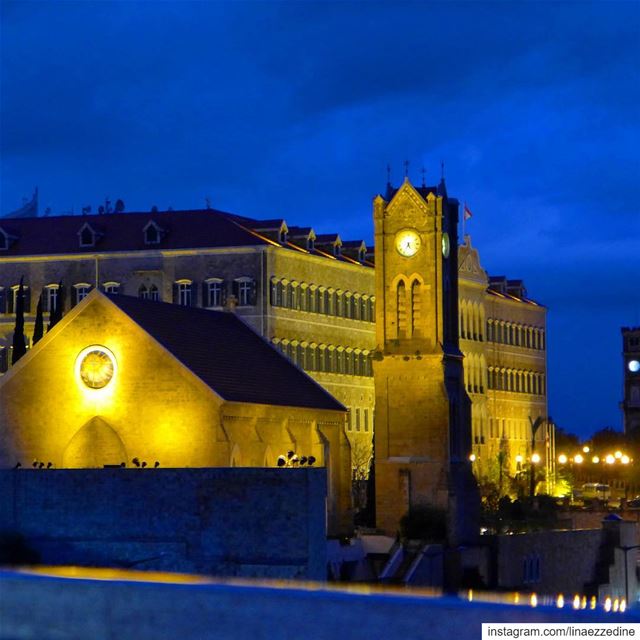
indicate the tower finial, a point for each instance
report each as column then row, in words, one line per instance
column 406, row 168
column 441, row 169
column 423, row 171
column 388, row 175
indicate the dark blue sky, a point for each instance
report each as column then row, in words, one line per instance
column 295, row 109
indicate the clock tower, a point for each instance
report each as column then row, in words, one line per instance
column 423, row 417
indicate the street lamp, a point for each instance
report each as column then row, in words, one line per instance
column 578, row 459
column 562, row 459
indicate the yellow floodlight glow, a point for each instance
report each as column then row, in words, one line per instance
column 562, row 459
column 578, row 459
column 623, row 605
column 595, row 459
column 585, row 449
column 472, row 457
column 592, row 602
column 607, row 604
column 625, row 459
column 534, row 600
column 576, row 601
column 518, row 458
column 535, row 458
column 560, row 601
column 609, row 459
column 618, row 454
column 616, row 605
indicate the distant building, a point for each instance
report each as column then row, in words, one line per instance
column 312, row 295
column 631, row 362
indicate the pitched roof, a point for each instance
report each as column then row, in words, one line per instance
column 227, row 355
column 205, row 228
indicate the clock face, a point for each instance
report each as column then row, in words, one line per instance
column 408, row 243
column 445, row 244
column 96, row 367
column 634, row 366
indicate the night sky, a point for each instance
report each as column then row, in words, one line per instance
column 295, row 110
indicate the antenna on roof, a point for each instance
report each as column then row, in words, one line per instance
column 423, row 171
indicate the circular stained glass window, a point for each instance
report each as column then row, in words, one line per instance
column 97, row 367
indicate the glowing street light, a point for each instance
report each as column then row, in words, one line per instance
column 562, row 459
column 535, row 458
column 472, row 457
column 625, row 459
column 595, row 459
column 578, row 459
column 609, row 459
column 586, row 449
column 618, row 454
column 518, row 458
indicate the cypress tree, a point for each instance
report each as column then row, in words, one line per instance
column 19, row 346
column 38, row 329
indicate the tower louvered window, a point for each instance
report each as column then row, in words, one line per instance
column 402, row 310
column 416, row 306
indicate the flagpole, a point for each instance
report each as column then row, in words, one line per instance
column 464, row 219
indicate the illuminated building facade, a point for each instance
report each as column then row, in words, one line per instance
column 631, row 362
column 312, row 295
column 126, row 382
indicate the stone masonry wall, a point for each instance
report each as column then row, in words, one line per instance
column 232, row 522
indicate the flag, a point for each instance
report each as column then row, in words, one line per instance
column 467, row 212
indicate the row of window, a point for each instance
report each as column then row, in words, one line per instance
column 316, row 299
column 517, row 335
column 326, row 358
column 517, row 381
column 214, row 293
column 471, row 320
column 358, row 420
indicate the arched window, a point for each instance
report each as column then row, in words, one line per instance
column 416, row 306
column 401, row 306
column 154, row 293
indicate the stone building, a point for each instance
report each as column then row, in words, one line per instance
column 312, row 295
column 126, row 382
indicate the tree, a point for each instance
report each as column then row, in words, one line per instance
column 38, row 329
column 119, row 206
column 361, row 457
column 19, row 344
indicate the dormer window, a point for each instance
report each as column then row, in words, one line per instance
column 337, row 249
column 283, row 233
column 311, row 241
column 87, row 235
column 152, row 233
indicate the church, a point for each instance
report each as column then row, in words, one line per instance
column 123, row 382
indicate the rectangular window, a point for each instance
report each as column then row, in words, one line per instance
column 50, row 298
column 184, row 294
column 244, row 293
column 357, row 419
column 214, row 298
column 366, row 419
column 81, row 293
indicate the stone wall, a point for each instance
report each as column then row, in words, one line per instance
column 238, row 522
